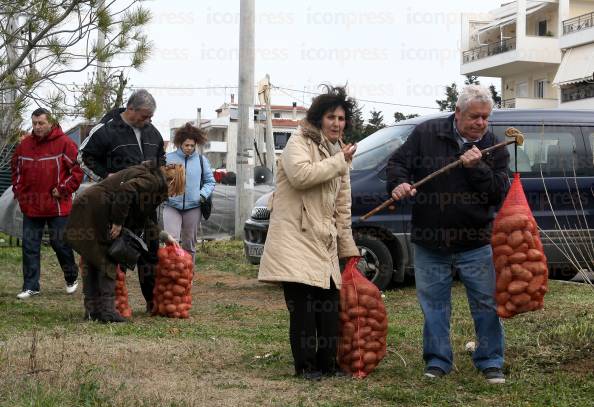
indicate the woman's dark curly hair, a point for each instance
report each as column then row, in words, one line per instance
column 189, row 132
column 329, row 101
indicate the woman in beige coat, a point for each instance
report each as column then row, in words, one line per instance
column 310, row 229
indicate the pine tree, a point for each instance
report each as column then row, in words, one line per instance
column 471, row 80
column 375, row 122
column 398, row 117
column 449, row 103
column 495, row 96
column 355, row 132
column 45, row 41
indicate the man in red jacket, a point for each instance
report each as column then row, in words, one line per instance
column 45, row 174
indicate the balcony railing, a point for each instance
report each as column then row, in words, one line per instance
column 577, row 92
column 488, row 50
column 578, row 23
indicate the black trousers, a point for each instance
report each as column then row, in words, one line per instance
column 313, row 330
column 32, row 236
column 147, row 268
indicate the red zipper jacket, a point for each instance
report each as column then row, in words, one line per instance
column 39, row 166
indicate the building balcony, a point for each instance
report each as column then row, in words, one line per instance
column 510, row 56
column 215, row 147
column 529, row 103
column 488, row 50
column 579, row 23
column 577, row 31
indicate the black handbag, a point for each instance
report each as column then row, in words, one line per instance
column 205, row 204
column 127, row 248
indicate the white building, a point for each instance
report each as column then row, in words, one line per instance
column 543, row 51
column 221, row 148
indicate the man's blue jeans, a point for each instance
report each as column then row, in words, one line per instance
column 434, row 275
column 32, row 235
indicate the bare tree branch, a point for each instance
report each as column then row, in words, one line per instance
column 15, row 64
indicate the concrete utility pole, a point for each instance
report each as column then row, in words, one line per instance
column 245, row 161
column 264, row 98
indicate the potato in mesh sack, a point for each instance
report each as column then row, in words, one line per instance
column 518, row 255
column 121, row 290
column 363, row 323
column 172, row 295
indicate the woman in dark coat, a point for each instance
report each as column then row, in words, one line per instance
column 124, row 199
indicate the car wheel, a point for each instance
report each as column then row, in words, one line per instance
column 376, row 263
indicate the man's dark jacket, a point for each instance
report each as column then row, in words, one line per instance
column 452, row 212
column 112, row 146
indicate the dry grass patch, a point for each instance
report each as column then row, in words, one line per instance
column 234, row 349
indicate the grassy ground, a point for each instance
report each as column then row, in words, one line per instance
column 234, row 349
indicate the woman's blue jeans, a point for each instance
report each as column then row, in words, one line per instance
column 434, row 274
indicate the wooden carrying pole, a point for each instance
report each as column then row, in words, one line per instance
column 510, row 132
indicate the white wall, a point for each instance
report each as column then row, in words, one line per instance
column 578, row 104
column 528, row 103
column 509, row 84
column 550, row 15
column 288, row 115
column 577, row 8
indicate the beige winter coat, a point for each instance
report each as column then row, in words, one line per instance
column 310, row 222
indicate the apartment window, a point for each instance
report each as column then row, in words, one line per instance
column 541, row 28
column 577, row 91
column 522, row 90
column 539, row 88
column 277, row 115
column 280, row 139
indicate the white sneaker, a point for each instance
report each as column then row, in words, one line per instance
column 26, row 294
column 71, row 288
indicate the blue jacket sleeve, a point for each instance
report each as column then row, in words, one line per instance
column 209, row 182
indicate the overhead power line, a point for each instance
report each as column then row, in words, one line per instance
column 362, row 100
column 279, row 88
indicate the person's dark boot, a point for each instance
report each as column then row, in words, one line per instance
column 108, row 311
column 91, row 291
column 92, row 308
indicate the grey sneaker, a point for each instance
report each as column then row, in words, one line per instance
column 434, row 372
column 494, row 375
column 26, row 294
column 71, row 288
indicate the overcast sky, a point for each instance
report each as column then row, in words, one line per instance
column 401, row 52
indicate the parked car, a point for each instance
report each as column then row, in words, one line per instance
column 555, row 164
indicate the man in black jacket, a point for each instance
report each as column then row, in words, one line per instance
column 123, row 138
column 451, row 226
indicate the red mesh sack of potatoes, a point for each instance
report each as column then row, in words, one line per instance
column 172, row 296
column 520, row 262
column 121, row 291
column 363, row 323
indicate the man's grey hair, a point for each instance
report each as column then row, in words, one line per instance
column 142, row 99
column 474, row 93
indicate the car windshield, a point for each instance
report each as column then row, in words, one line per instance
column 379, row 146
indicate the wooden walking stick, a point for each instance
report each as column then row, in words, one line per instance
column 511, row 132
